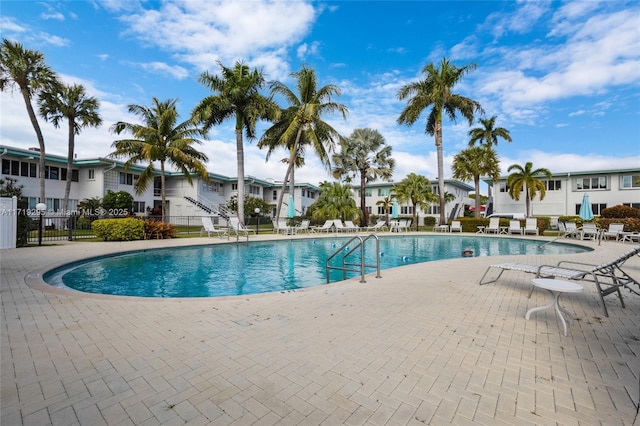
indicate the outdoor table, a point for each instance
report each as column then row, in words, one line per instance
column 629, row 236
column 504, row 229
column 556, row 288
column 441, row 228
column 480, row 229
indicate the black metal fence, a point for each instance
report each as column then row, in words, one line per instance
column 71, row 228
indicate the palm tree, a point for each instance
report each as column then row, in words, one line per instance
column 415, row 189
column 488, row 133
column 436, row 90
column 73, row 104
column 526, row 179
column 160, row 139
column 301, row 123
column 27, row 69
column 335, row 202
column 386, row 204
column 237, row 96
column 471, row 163
column 365, row 154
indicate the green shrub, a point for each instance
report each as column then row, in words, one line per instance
column 620, row 212
column 429, row 221
column 158, row 229
column 126, row 229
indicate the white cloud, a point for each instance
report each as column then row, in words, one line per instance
column 200, row 32
column 305, row 50
column 53, row 15
column 174, row 71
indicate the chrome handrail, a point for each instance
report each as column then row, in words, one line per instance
column 362, row 265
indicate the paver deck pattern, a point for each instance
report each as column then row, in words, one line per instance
column 424, row 344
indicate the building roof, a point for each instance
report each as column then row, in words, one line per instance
column 580, row 173
column 451, row 182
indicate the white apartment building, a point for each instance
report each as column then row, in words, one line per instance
column 564, row 193
column 378, row 191
column 94, row 177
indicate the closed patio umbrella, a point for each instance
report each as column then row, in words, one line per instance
column 394, row 210
column 291, row 208
column 586, row 213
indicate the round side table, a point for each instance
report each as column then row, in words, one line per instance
column 556, row 288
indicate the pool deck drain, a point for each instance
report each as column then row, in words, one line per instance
column 422, row 344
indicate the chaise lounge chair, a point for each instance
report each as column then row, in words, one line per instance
column 350, row 226
column 303, row 227
column 337, row 223
column 456, row 226
column 239, row 228
column 494, row 226
column 514, row 227
column 615, row 229
column 210, row 228
column 379, row 226
column 608, row 277
column 328, row 225
column 589, row 231
column 281, row 226
column 531, row 226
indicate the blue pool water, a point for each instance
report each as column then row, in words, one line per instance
column 260, row 267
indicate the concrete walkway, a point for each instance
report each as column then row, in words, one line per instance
column 425, row 344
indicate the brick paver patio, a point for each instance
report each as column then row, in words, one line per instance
column 422, row 345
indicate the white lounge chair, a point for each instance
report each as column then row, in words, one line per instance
column 210, row 228
column 303, row 227
column 282, row 227
column 608, row 277
column 328, row 225
column 456, row 226
column 337, row 223
column 514, row 227
column 239, row 228
column 615, row 229
column 350, row 226
column 494, row 226
column 379, row 226
column 569, row 229
column 531, row 226
column 404, row 225
column 589, row 231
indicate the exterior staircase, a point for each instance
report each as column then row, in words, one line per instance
column 209, row 207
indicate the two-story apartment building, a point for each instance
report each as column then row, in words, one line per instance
column 95, row 177
column 378, row 191
column 564, row 192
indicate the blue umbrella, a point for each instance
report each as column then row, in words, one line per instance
column 291, row 208
column 394, row 210
column 585, row 209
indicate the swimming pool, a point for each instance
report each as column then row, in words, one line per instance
column 260, row 267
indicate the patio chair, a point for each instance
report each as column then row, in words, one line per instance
column 281, row 226
column 379, row 226
column 303, row 227
column 608, row 277
column 337, row 223
column 589, row 231
column 350, row 226
column 615, row 229
column 531, row 226
column 404, row 225
column 514, row 227
column 456, row 226
column 239, row 228
column 328, row 225
column 569, row 229
column 210, row 228
column 494, row 226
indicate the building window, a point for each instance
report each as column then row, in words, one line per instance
column 553, row 185
column 368, row 209
column 381, row 210
column 274, row 196
column 634, row 205
column 234, row 186
column 19, row 168
column 406, row 209
column 599, row 182
column 139, row 207
column 51, row 172
column 630, row 181
column 127, row 178
column 595, row 207
column 92, row 174
column 368, row 192
column 255, row 190
column 383, row 192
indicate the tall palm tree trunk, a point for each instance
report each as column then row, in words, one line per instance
column 240, row 160
column 440, row 168
column 363, row 201
column 67, row 188
column 163, row 194
column 36, row 127
column 476, row 181
column 289, row 174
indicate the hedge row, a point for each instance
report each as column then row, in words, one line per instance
column 130, row 228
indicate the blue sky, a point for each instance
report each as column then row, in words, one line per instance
column 563, row 77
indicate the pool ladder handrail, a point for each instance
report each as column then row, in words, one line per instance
column 346, row 265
